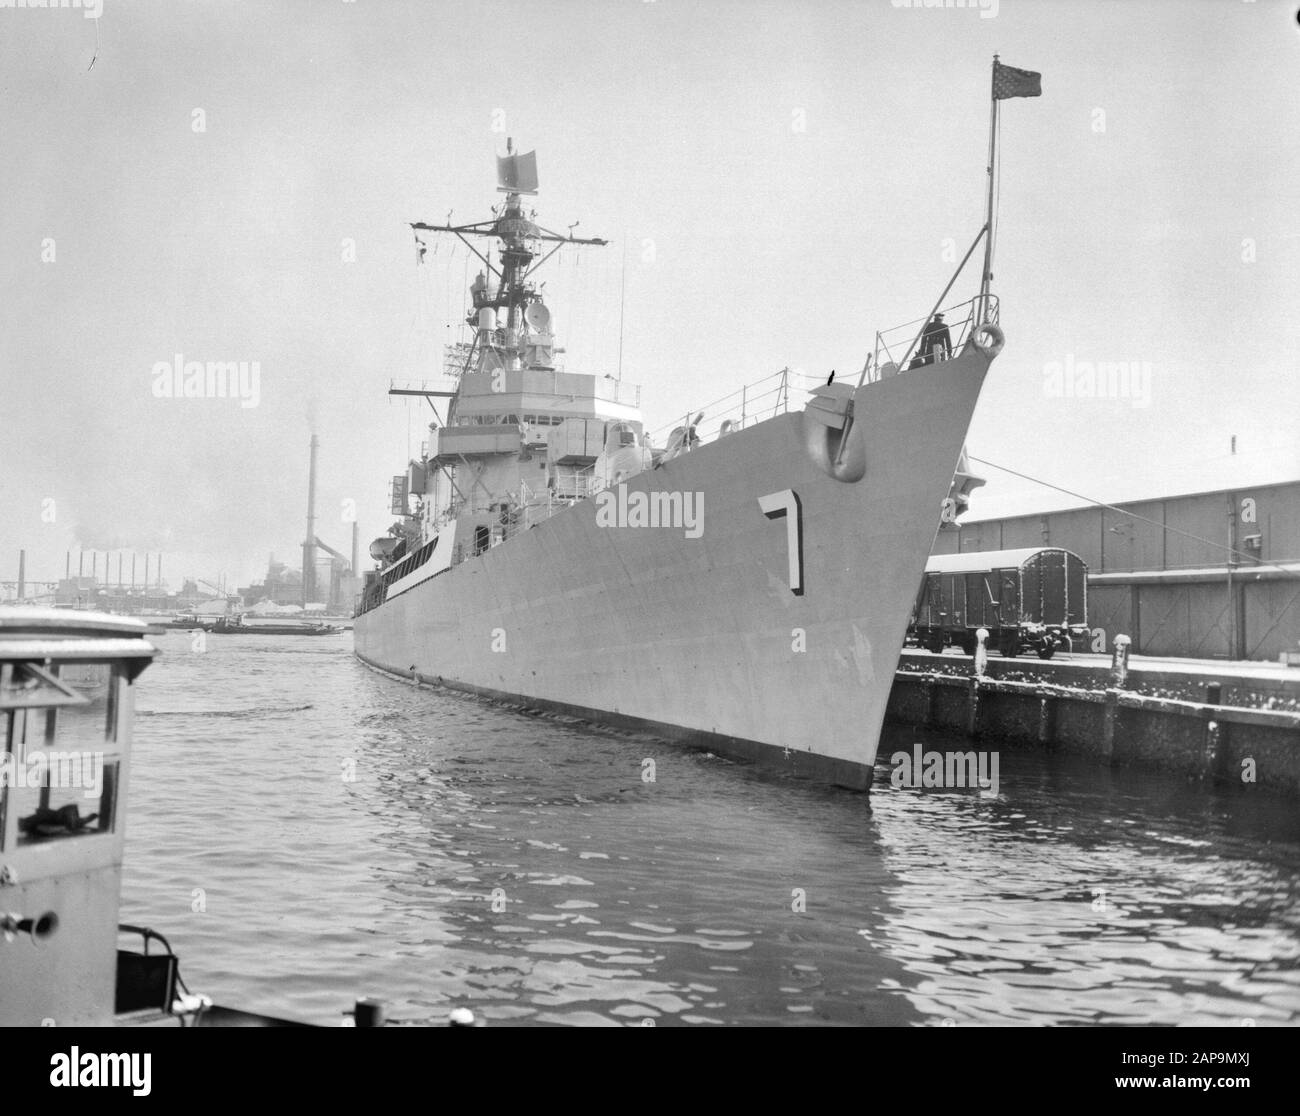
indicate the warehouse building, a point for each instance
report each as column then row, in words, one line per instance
column 1206, row 574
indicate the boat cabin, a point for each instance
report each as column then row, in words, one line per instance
column 65, row 702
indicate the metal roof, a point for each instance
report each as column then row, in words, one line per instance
column 67, row 635
column 1265, row 571
column 975, row 560
column 26, row 621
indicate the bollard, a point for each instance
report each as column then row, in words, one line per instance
column 1119, row 662
column 981, row 651
column 368, row 1012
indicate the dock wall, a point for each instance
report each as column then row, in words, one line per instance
column 1243, row 729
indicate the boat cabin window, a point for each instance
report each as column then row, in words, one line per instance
column 507, row 420
column 410, row 563
column 61, row 757
column 621, row 435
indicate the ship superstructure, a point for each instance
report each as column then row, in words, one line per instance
column 523, row 437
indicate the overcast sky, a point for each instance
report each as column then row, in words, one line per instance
column 784, row 178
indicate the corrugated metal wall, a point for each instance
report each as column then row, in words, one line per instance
column 1272, row 611
column 1110, row 613
column 1183, row 620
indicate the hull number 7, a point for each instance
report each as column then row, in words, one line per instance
column 785, row 505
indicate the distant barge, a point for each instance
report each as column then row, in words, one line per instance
column 225, row 625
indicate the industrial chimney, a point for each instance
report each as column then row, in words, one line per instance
column 309, row 544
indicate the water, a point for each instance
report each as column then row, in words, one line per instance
column 287, row 888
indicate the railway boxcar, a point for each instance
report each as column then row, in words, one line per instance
column 1035, row 599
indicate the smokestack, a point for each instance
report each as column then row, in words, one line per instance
column 119, row 570
column 22, row 574
column 94, row 565
column 146, row 575
column 356, row 541
column 81, row 563
column 67, row 564
column 133, row 571
column 160, row 573
column 309, row 546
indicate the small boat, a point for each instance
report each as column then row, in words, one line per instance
column 237, row 625
column 180, row 624
column 67, row 683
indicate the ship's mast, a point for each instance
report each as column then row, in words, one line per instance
column 519, row 235
column 1006, row 81
column 987, row 273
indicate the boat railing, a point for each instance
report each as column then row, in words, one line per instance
column 753, row 403
column 900, row 347
column 616, row 391
column 577, row 485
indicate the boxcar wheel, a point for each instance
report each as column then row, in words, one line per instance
column 1009, row 645
column 935, row 644
column 1047, row 648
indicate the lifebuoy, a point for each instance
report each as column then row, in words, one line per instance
column 989, row 339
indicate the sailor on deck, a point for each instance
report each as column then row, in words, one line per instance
column 936, row 343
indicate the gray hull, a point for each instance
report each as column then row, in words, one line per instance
column 702, row 639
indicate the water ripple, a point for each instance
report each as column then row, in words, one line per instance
column 309, row 832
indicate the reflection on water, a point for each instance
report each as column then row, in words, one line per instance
column 307, row 832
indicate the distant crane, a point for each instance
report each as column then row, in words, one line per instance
column 343, row 558
column 340, row 566
column 220, row 592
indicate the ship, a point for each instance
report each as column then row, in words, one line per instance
column 744, row 587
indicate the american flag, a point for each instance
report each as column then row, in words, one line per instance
column 1010, row 82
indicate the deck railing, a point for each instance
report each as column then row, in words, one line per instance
column 901, row 346
column 753, row 403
